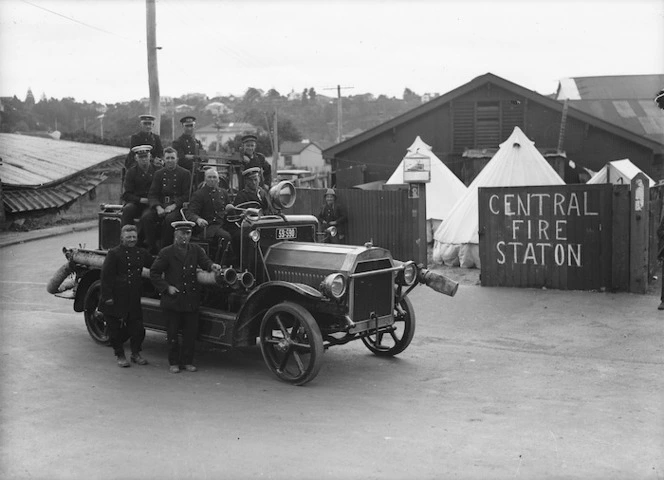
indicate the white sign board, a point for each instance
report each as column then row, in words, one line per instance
column 416, row 169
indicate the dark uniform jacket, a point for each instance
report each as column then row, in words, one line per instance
column 169, row 186
column 179, row 269
column 258, row 160
column 337, row 213
column 660, row 240
column 257, row 199
column 121, row 280
column 143, row 138
column 209, row 204
column 137, row 183
column 187, row 145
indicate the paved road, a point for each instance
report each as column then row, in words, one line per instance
column 498, row 383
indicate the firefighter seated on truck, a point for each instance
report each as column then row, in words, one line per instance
column 168, row 193
column 251, row 196
column 136, row 187
column 207, row 210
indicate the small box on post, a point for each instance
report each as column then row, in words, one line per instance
column 417, row 173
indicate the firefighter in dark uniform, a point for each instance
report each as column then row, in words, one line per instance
column 333, row 214
column 207, row 210
column 136, row 187
column 252, row 196
column 121, row 288
column 251, row 159
column 145, row 137
column 180, row 293
column 189, row 148
column 168, row 192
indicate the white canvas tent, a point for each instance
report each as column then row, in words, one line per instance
column 618, row 172
column 442, row 192
column 516, row 163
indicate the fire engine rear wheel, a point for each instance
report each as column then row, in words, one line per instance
column 387, row 344
column 291, row 343
column 94, row 319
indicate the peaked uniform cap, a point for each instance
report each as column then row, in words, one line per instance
column 147, row 118
column 182, row 225
column 188, row 119
column 142, row 149
column 251, row 171
column 330, row 191
column 249, row 138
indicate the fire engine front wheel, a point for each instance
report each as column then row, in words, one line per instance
column 394, row 341
column 291, row 343
column 94, row 319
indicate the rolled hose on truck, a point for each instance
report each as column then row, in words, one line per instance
column 54, row 284
column 228, row 276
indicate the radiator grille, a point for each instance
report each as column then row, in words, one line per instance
column 372, row 294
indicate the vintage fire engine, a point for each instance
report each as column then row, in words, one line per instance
column 292, row 295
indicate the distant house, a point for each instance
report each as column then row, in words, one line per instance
column 302, row 155
column 228, row 131
column 478, row 116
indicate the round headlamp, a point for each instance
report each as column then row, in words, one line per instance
column 334, row 285
column 409, row 273
column 255, row 236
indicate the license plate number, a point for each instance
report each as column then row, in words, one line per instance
column 286, row 233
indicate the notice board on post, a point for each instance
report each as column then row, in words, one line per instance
column 546, row 236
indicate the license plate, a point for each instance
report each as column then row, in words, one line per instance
column 286, row 233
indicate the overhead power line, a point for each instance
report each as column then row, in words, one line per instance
column 80, row 22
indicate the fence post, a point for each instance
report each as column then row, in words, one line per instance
column 639, row 220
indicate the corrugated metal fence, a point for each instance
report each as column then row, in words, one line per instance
column 387, row 218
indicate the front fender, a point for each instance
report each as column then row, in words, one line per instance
column 82, row 288
column 263, row 298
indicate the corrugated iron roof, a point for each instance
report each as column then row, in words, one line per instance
column 34, row 161
column 612, row 87
column 29, row 199
column 639, row 116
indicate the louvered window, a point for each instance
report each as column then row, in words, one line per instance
column 485, row 124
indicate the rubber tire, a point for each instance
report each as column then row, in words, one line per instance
column 281, row 353
column 96, row 327
column 403, row 313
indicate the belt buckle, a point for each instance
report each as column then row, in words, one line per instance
column 167, row 200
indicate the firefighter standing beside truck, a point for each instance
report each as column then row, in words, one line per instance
column 180, row 293
column 121, row 289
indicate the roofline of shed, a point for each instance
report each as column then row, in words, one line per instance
column 573, row 112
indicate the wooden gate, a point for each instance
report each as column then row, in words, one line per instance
column 546, row 236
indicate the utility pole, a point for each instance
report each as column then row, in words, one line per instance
column 153, row 73
column 339, row 110
column 275, row 145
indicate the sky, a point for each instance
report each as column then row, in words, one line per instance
column 95, row 50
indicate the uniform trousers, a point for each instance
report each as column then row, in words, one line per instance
column 151, row 224
column 122, row 329
column 188, row 322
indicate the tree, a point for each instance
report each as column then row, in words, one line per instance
column 410, row 96
column 29, row 98
column 312, row 94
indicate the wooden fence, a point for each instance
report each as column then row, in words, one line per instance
column 388, row 219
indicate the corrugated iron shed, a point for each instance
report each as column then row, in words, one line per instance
column 29, row 199
column 35, row 162
column 623, row 100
